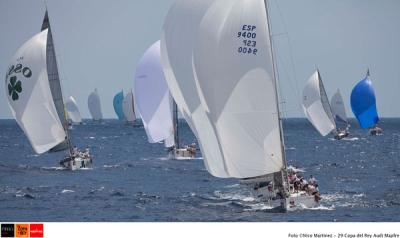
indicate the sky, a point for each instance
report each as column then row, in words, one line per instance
column 99, row 42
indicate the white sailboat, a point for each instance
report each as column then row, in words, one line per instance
column 339, row 112
column 218, row 61
column 155, row 105
column 72, row 110
column 35, row 97
column 128, row 107
column 317, row 108
column 94, row 106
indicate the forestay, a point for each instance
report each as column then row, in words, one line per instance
column 128, row 106
column 363, row 103
column 29, row 95
column 95, row 106
column 338, row 108
column 153, row 97
column 72, row 110
column 117, row 103
column 316, row 105
column 179, row 33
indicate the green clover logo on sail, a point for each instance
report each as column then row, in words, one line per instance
column 14, row 88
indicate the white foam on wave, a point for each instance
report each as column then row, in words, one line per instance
column 351, row 139
column 67, row 191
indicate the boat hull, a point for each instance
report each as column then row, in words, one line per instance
column 76, row 163
column 181, row 154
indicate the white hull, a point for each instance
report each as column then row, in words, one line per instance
column 76, row 163
column 181, row 154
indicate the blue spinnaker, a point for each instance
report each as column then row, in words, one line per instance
column 363, row 103
column 117, row 102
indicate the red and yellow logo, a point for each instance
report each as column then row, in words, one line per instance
column 36, row 230
column 21, row 230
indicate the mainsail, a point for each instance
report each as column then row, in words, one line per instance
column 72, row 110
column 128, row 107
column 219, row 68
column 117, row 103
column 316, row 105
column 95, row 106
column 338, row 109
column 363, row 103
column 153, row 97
column 30, row 96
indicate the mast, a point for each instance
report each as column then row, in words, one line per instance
column 285, row 179
column 133, row 108
column 54, row 80
column 175, row 123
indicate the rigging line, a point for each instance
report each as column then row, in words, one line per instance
column 291, row 53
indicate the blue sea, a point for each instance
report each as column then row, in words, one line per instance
column 132, row 180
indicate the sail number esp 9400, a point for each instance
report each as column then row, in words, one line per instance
column 248, row 35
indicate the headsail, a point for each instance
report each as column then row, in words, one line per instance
column 177, row 41
column 72, row 110
column 338, row 109
column 95, row 106
column 316, row 105
column 29, row 95
column 363, row 103
column 117, row 103
column 152, row 96
column 128, row 106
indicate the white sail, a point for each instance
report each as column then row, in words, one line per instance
column 179, row 33
column 95, row 106
column 152, row 96
column 72, row 110
column 235, row 76
column 128, row 107
column 30, row 97
column 338, row 108
column 316, row 105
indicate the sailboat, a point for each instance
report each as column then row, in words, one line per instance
column 218, row 62
column 35, row 98
column 95, row 106
column 72, row 110
column 339, row 113
column 128, row 108
column 155, row 105
column 363, row 104
column 117, row 103
column 317, row 108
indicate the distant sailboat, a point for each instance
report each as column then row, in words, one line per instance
column 128, row 107
column 95, row 106
column 72, row 110
column 339, row 112
column 117, row 103
column 35, row 97
column 317, row 108
column 220, row 71
column 363, row 104
column 155, row 105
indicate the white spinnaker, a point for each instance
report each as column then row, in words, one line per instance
column 180, row 29
column 237, row 88
column 128, row 107
column 72, row 110
column 316, row 105
column 95, row 106
column 33, row 107
column 338, row 108
column 153, row 97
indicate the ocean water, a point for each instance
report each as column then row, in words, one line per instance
column 133, row 180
